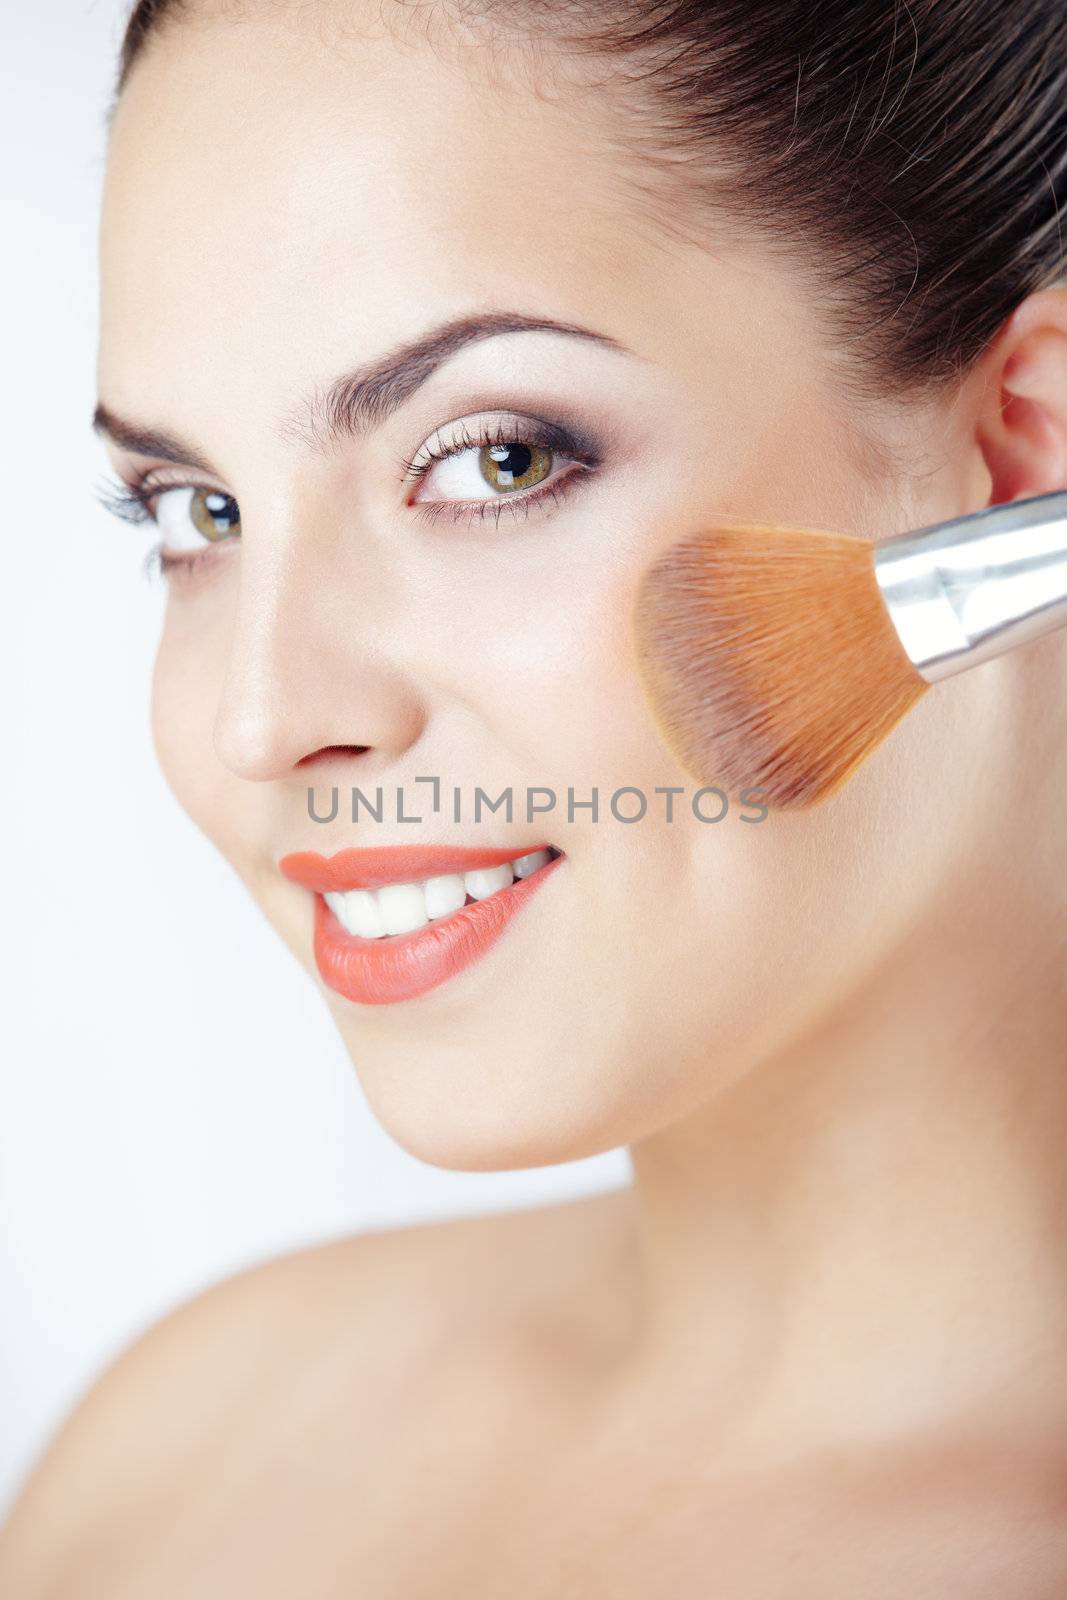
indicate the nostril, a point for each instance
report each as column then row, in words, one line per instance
column 328, row 750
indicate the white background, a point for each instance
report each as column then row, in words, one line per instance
column 174, row 1100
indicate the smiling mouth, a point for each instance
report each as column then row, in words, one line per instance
column 383, row 934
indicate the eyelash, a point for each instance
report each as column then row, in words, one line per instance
column 133, row 502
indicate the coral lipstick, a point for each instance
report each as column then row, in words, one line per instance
column 470, row 895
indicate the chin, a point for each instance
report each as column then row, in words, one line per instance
column 468, row 1111
column 484, row 1138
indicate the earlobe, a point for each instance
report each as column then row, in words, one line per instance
column 1022, row 431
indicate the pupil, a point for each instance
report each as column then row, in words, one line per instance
column 517, row 459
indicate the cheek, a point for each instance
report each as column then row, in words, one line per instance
column 556, row 676
column 790, row 918
column 738, row 939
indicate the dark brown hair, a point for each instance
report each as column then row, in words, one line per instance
column 912, row 152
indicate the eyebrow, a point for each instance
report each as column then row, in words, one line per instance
column 361, row 400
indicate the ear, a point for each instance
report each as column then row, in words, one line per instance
column 1022, row 425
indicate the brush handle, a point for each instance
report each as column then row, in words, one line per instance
column 963, row 591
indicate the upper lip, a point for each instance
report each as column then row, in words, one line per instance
column 396, row 863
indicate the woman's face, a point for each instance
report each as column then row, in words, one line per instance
column 287, row 204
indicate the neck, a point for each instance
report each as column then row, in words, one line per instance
column 868, row 1239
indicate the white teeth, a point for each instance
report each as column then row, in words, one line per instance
column 487, row 880
column 403, row 907
column 531, row 863
column 364, row 914
column 357, row 912
column 444, row 894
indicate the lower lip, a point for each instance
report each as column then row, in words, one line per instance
column 376, row 972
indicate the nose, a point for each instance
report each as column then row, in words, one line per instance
column 314, row 665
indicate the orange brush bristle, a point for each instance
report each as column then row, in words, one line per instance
column 769, row 658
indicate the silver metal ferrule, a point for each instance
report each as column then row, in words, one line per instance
column 963, row 591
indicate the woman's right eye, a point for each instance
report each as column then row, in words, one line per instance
column 188, row 516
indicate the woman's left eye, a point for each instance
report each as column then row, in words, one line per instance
column 473, row 476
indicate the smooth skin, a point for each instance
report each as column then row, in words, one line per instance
column 817, row 1349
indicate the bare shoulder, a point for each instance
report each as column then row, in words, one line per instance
column 281, row 1348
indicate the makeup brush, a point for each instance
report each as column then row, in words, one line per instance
column 778, row 658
